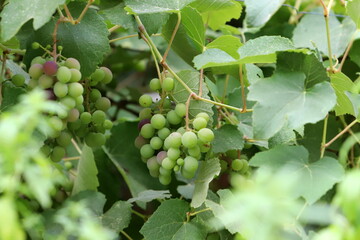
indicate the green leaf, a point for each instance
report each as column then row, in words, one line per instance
column 10, row 95
column 94, row 201
column 314, row 179
column 227, row 137
column 355, row 52
column 118, row 216
column 311, row 31
column 355, row 101
column 10, row 227
column 180, row 94
column 260, row 11
column 18, row 12
column 168, row 222
column 341, row 83
column 154, row 22
column 226, row 43
column 353, row 9
column 86, row 178
column 118, row 16
column 150, row 195
column 214, row 58
column 207, row 171
column 155, row 6
column 189, row 40
column 87, row 42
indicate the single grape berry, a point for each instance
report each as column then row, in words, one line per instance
column 85, row 118
column 203, row 115
column 108, row 75
column 55, row 123
column 97, row 76
column 156, row 143
column 155, row 84
column 161, row 156
column 103, row 104
column 180, row 109
column 35, row 45
column 158, row 121
column 57, row 154
column 36, row 71
column 152, row 164
column 18, row 80
column 165, row 179
column 38, row 60
column 50, row 68
column 173, row 118
column 45, row 82
column 147, row 131
column 164, row 171
column 98, row 117
column 75, row 75
column 194, row 151
column 199, row 123
column 108, row 124
column 174, row 140
column 46, row 150
column 79, row 100
column 95, row 95
column 72, row 63
column 163, row 133
column 145, row 113
column 237, row 165
column 64, row 139
column 145, row 100
column 146, row 151
column 189, row 139
column 168, row 163
column 73, row 115
column 140, row 141
column 63, row 74
column 142, row 123
column 173, row 153
column 60, row 89
column 168, row 84
column 95, row 140
column 180, row 161
column 68, row 102
column 206, row 135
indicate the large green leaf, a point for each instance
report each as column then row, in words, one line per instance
column 311, row 33
column 150, row 195
column 86, row 177
column 353, row 9
column 118, row 216
column 168, row 222
column 260, row 11
column 189, row 40
column 180, row 94
column 341, row 83
column 117, row 15
column 18, row 12
column 314, row 179
column 207, row 171
column 10, row 95
column 155, row 6
column 227, row 137
column 355, row 52
column 88, row 41
column 355, row 101
column 226, row 43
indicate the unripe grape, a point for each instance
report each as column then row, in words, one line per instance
column 145, row 100
column 32, row 83
column 189, row 139
column 155, row 84
column 203, row 115
column 85, row 118
column 165, row 179
column 50, row 68
column 174, row 140
column 75, row 89
column 98, row 117
column 97, row 76
column 206, row 135
column 245, row 166
column 79, row 100
column 166, row 144
column 164, row 171
column 75, row 75
column 147, row 131
column 167, row 103
column 173, row 118
column 163, row 133
column 158, row 121
column 60, row 48
column 45, row 82
column 199, row 123
column 60, row 89
column 73, row 115
column 68, row 102
column 55, row 123
column 57, row 154
column 176, row 168
column 35, row 45
column 146, row 151
column 95, row 140
column 180, row 161
column 156, row 143
column 180, row 109
column 152, row 164
column 64, row 139
column 181, row 130
column 233, row 153
column 194, row 151
column 63, row 74
column 190, row 166
column 173, row 153
column 103, row 104
column 145, row 113
column 18, row 80
column 36, row 71
column 108, row 124
column 161, row 156
column 68, row 165
column 140, row 141
column 72, row 63
column 204, row 147
column 168, row 163
column 108, row 75
column 237, row 165
column 168, row 84
column 38, row 60
column 46, row 150
column 142, row 123
column 95, row 95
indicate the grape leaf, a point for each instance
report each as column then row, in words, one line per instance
column 189, row 40
column 168, row 222
column 207, row 171
column 341, row 83
column 226, row 43
column 118, row 216
column 227, row 137
column 154, row 22
column 260, row 11
column 86, row 178
column 94, row 201
column 88, row 41
column 311, row 31
column 355, row 52
column 181, row 95
column 149, row 195
column 355, row 101
column 155, row 6
column 18, row 12
column 117, row 15
column 10, row 95
column 353, row 9
column 314, row 179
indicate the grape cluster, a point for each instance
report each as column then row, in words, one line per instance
column 165, row 145
column 85, row 116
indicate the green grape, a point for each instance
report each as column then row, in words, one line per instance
column 68, row 102
column 174, row 140
column 176, row 168
column 203, row 115
column 18, row 80
column 64, row 139
column 156, row 143
column 85, row 118
column 140, row 141
column 164, row 171
column 163, row 133
column 189, row 139
column 190, row 166
column 74, row 125
column 173, row 118
column 166, row 144
column 168, row 84
column 206, row 135
column 194, row 151
column 161, row 156
column 168, row 163
column 223, row 165
column 153, row 167
column 68, row 165
column 233, row 154
column 181, row 130
column 173, row 153
column 103, row 104
column 32, row 83
column 38, row 60
column 60, row 48
column 180, row 161
column 45, row 82
column 36, row 71
column 72, row 63
column 82, row 131
column 204, row 147
column 60, row 89
column 35, row 45
column 167, row 103
column 55, row 123
column 245, row 166
column 75, row 75
column 108, row 124
column 95, row 140
column 147, row 151
column 145, row 113
column 187, row 174
column 165, row 179
column 95, row 95
column 180, row 109
column 63, row 74
column 108, row 75
column 145, row 100
column 237, row 165
column 57, row 154
column 158, row 121
column 97, row 76
column 79, row 100
column 98, row 117
column 199, row 123
column 147, row 131
column 75, row 89
column 73, row 115
column 46, row 150
column 155, row 84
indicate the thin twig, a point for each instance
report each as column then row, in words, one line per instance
column 114, row 28
column 126, row 235
column 347, row 50
column 201, row 80
column 122, row 38
column 71, row 158
column 187, row 113
column 86, row 8
column 322, row 150
column 76, row 146
column 242, row 87
column 340, row 133
column 172, row 37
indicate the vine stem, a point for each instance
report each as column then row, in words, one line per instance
column 341, row 133
column 347, row 50
column 86, row 8
column 350, row 131
column 172, row 37
column 201, row 80
column 293, row 18
column 187, row 113
column 322, row 151
column 76, row 146
column 139, row 214
column 114, row 28
column 71, row 158
column 326, row 16
column 10, row 50
column 242, row 87
column 122, row 38
column 126, row 235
